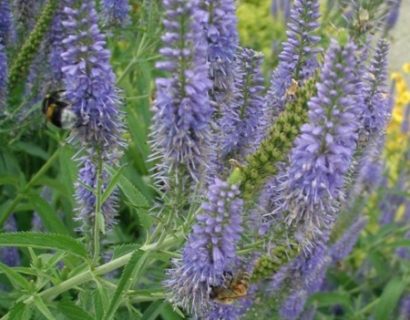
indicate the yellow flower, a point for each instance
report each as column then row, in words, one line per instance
column 395, row 138
column 396, row 76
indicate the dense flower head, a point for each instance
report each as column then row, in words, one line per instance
column 10, row 255
column 342, row 248
column 297, row 61
column 376, row 94
column 89, row 80
column 222, row 37
column 240, row 119
column 7, row 32
column 90, row 88
column 116, row 12
column 210, row 250
column 3, row 77
column 323, row 152
column 182, row 108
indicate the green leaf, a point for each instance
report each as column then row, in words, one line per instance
column 31, row 149
column 113, row 183
column 134, row 196
column 154, row 310
column 399, row 243
column 327, row 299
column 15, row 278
column 20, row 311
column 142, row 216
column 39, row 303
column 169, row 313
column 389, row 298
column 73, row 312
column 381, row 265
column 49, row 217
column 123, row 249
column 43, row 241
column 128, row 277
column 98, row 304
column 9, row 180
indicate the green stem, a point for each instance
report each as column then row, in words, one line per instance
column 368, row 307
column 33, row 180
column 88, row 275
column 98, row 205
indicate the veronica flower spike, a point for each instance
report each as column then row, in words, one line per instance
column 239, row 121
column 210, row 251
column 323, row 152
column 90, row 87
column 297, row 61
column 222, row 37
column 182, row 111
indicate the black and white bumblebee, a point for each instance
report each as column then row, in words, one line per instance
column 58, row 111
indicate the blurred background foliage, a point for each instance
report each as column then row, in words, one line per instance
column 37, row 174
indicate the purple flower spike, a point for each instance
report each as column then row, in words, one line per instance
column 90, row 81
column 90, row 88
column 376, row 95
column 297, row 61
column 240, row 119
column 3, row 78
column 182, row 111
column 10, row 255
column 210, row 250
column 323, row 152
column 342, row 248
column 222, row 36
column 116, row 12
column 7, row 31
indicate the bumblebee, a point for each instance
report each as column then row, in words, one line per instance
column 293, row 88
column 58, row 111
column 233, row 288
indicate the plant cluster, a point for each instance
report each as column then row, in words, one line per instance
column 166, row 156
